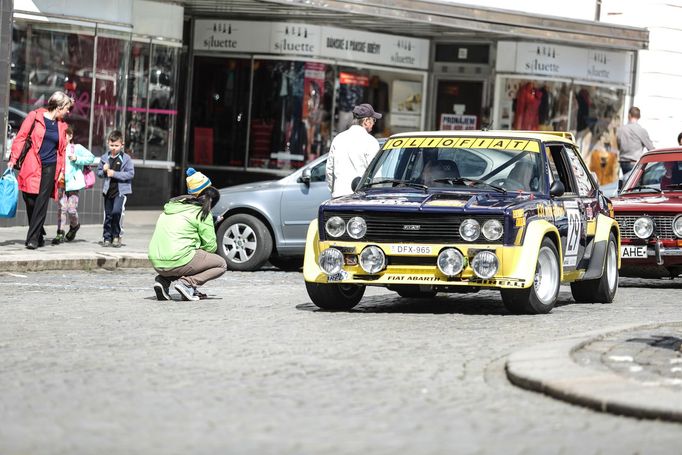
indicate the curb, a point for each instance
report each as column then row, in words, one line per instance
column 80, row 261
column 549, row 369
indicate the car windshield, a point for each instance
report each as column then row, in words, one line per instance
column 658, row 175
column 445, row 164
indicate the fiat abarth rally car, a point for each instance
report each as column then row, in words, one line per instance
column 461, row 211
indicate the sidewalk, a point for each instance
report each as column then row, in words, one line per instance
column 634, row 371
column 85, row 252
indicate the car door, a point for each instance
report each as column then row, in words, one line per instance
column 587, row 196
column 299, row 205
column 569, row 210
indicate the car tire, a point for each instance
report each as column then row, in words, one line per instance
column 244, row 242
column 287, row 263
column 542, row 295
column 601, row 290
column 335, row 297
column 412, row 292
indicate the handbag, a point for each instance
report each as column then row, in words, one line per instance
column 89, row 176
column 27, row 146
column 9, row 194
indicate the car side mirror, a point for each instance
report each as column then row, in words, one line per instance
column 355, row 183
column 305, row 177
column 557, row 189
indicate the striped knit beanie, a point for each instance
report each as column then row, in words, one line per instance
column 196, row 181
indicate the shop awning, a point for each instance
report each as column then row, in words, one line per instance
column 427, row 19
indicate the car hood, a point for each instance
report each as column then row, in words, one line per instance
column 466, row 201
column 250, row 187
column 665, row 202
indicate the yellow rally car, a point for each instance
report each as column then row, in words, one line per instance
column 460, row 211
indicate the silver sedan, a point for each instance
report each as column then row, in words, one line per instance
column 268, row 221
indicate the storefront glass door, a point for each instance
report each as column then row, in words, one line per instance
column 458, row 104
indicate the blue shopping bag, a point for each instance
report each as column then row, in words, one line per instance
column 9, row 194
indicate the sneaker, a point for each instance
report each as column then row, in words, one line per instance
column 187, row 292
column 72, row 232
column 31, row 245
column 59, row 239
column 116, row 243
column 106, row 243
column 161, row 285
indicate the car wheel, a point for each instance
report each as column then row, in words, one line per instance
column 244, row 242
column 412, row 292
column 601, row 290
column 286, row 263
column 541, row 297
column 335, row 296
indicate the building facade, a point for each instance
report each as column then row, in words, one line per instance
column 251, row 90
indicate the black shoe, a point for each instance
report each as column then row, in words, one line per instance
column 41, row 241
column 31, row 245
column 59, row 239
column 72, row 232
column 161, row 285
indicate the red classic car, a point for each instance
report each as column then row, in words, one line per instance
column 649, row 212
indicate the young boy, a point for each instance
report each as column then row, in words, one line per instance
column 116, row 167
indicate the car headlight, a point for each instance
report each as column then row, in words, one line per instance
column 331, row 261
column 492, row 229
column 357, row 228
column 372, row 259
column 485, row 264
column 643, row 227
column 470, row 230
column 335, row 226
column 450, row 262
column 677, row 226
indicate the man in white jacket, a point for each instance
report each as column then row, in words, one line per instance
column 352, row 151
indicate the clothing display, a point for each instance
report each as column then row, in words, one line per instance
column 526, row 115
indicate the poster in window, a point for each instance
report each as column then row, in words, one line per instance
column 203, row 145
column 406, row 103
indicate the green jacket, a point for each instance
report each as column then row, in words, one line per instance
column 179, row 233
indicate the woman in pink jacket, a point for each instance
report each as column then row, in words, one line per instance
column 44, row 161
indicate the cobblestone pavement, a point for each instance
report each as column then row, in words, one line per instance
column 91, row 363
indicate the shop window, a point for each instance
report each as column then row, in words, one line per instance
column 591, row 113
column 290, row 117
column 109, row 93
column 396, row 95
column 219, row 111
column 136, row 118
column 47, row 58
column 162, row 103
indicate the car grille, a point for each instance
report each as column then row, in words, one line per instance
column 663, row 226
column 391, row 227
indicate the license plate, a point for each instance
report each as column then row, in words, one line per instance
column 412, row 250
column 632, row 252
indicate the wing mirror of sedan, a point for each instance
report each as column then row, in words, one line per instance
column 355, row 183
column 557, row 189
column 305, row 176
